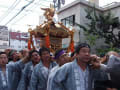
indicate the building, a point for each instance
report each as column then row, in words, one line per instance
column 75, row 13
column 4, row 38
column 19, row 41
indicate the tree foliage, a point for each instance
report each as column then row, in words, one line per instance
column 103, row 26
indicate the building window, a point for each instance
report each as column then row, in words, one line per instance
column 12, row 46
column 26, row 46
column 69, row 21
column 5, row 33
column 19, row 46
column 5, row 44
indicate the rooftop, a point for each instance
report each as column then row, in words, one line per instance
column 89, row 4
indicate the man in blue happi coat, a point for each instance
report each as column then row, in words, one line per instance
column 78, row 74
column 41, row 71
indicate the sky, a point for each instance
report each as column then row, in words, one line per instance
column 29, row 16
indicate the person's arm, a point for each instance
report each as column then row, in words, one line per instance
column 19, row 65
column 112, row 65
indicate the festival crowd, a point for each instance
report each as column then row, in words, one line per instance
column 43, row 70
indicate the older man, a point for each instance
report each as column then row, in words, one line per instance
column 60, row 57
column 76, row 75
column 112, row 67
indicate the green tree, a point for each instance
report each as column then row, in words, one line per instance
column 102, row 26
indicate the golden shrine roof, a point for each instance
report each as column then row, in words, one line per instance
column 57, row 30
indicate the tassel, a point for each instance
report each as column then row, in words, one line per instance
column 29, row 44
column 72, row 46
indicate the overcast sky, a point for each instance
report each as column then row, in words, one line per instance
column 30, row 15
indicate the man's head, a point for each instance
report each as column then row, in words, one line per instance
column 113, row 53
column 44, row 53
column 3, row 58
column 83, row 52
column 61, row 57
column 7, row 51
column 34, row 56
column 73, row 55
column 24, row 52
column 13, row 55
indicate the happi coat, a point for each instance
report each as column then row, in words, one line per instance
column 10, row 69
column 39, row 76
column 51, row 76
column 113, row 68
column 67, row 77
column 26, row 77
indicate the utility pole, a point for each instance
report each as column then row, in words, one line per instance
column 57, row 3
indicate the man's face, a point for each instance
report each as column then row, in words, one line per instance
column 84, row 55
column 63, row 59
column 45, row 55
column 35, row 57
column 3, row 59
column 15, row 55
column 25, row 52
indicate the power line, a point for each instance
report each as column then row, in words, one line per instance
column 25, row 14
column 20, row 11
column 9, row 10
column 17, row 9
column 37, row 4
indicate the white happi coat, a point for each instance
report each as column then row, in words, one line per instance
column 51, row 76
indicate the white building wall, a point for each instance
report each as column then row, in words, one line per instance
column 78, row 8
column 4, row 45
column 18, row 44
column 69, row 12
column 4, row 38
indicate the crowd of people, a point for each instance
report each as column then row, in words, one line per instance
column 43, row 70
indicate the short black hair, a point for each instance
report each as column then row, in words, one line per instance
column 31, row 52
column 72, row 54
column 41, row 50
column 21, row 51
column 3, row 53
column 81, row 45
column 10, row 54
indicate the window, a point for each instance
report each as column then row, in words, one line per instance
column 26, row 46
column 5, row 33
column 5, row 44
column 0, row 38
column 69, row 21
column 19, row 46
column 63, row 21
column 12, row 46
